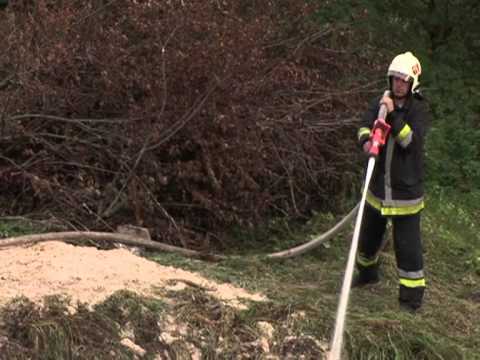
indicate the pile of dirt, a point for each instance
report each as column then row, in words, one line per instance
column 111, row 310
column 90, row 275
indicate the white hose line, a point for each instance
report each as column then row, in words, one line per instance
column 300, row 249
column 336, row 345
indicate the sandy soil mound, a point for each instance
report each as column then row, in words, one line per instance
column 90, row 275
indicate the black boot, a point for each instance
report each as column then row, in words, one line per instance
column 411, row 298
column 366, row 275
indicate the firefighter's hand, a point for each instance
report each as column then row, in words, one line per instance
column 388, row 103
column 366, row 146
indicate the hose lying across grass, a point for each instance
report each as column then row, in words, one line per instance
column 334, row 231
column 71, row 236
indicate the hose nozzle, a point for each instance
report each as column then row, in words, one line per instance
column 378, row 136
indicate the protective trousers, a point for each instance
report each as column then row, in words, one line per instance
column 408, row 253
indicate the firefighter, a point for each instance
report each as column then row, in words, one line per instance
column 397, row 187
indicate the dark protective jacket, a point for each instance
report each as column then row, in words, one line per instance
column 398, row 179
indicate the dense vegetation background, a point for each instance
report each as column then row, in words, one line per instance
column 190, row 117
column 193, row 118
column 445, row 36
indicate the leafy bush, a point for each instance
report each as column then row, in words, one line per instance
column 445, row 39
column 453, row 149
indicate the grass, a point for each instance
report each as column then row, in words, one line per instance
column 447, row 326
column 303, row 296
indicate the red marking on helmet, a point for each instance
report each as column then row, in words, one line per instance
column 416, row 69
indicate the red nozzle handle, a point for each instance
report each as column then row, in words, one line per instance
column 380, row 130
column 378, row 136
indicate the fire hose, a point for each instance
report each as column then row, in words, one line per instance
column 378, row 137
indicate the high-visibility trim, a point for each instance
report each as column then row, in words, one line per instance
column 362, row 133
column 388, row 164
column 404, row 137
column 413, row 275
column 366, row 262
column 395, row 207
column 402, row 211
column 412, row 283
column 374, row 201
column 402, row 203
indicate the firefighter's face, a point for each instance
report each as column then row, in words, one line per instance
column 400, row 87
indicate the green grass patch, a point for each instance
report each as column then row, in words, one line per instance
column 445, row 328
column 18, row 227
column 301, row 307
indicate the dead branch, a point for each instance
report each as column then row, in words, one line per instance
column 104, row 236
column 252, row 123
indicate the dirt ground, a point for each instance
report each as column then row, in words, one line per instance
column 90, row 275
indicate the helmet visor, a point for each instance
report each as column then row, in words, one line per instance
column 400, row 75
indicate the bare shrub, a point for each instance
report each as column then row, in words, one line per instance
column 184, row 117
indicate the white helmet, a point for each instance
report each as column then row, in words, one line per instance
column 406, row 67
